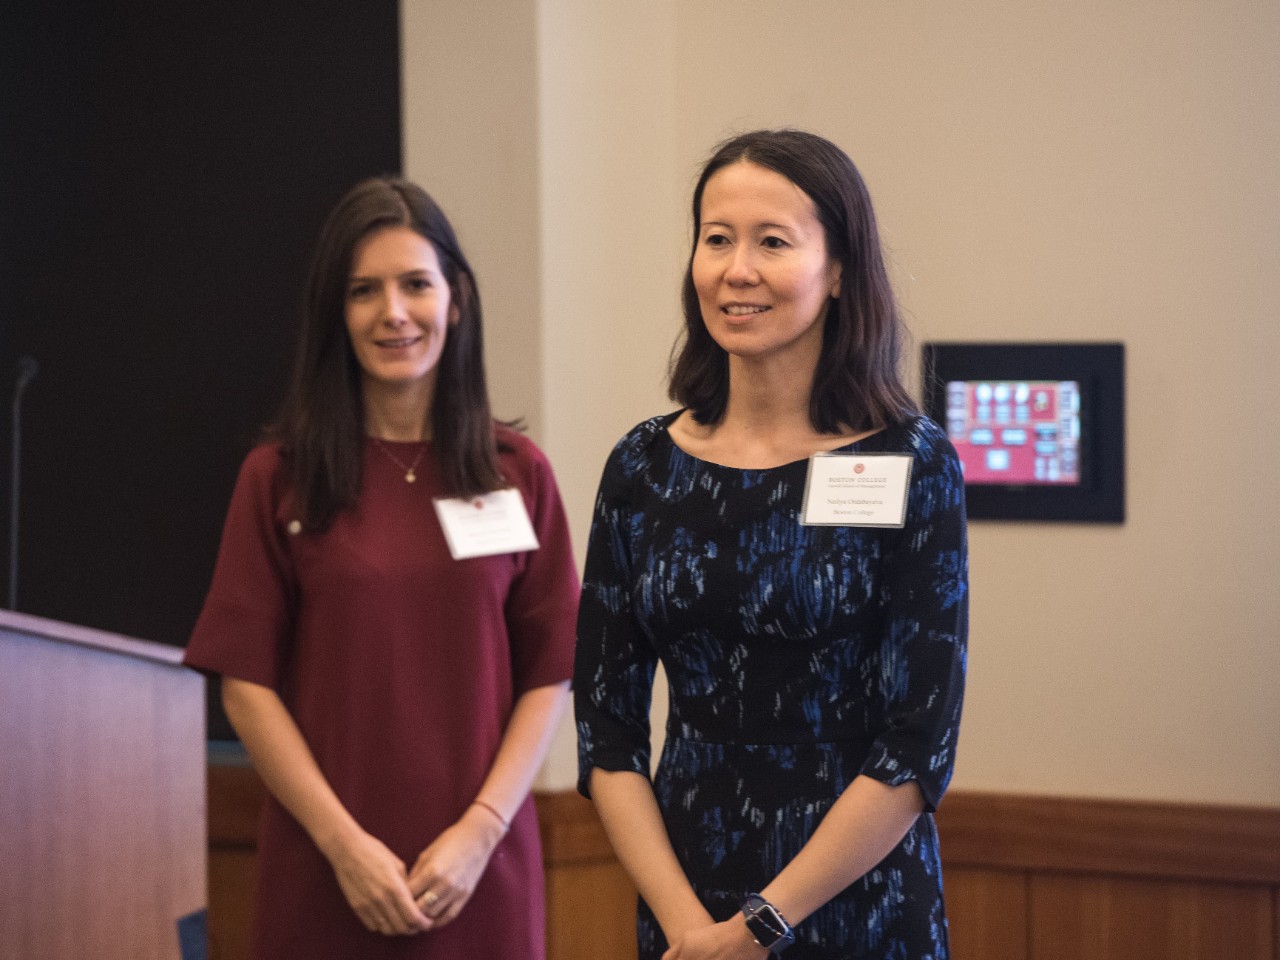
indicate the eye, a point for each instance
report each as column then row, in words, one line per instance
column 418, row 284
column 774, row 243
column 360, row 290
column 715, row 240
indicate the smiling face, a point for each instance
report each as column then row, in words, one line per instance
column 398, row 311
column 760, row 267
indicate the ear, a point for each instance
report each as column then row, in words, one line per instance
column 836, row 274
column 461, row 293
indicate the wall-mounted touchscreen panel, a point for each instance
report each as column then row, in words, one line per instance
column 1038, row 427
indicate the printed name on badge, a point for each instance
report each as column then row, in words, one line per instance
column 856, row 490
column 486, row 525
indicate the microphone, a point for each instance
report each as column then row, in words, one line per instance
column 28, row 367
column 27, row 370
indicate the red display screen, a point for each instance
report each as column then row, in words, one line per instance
column 1020, row 432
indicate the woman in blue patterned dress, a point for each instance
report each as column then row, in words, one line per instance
column 815, row 671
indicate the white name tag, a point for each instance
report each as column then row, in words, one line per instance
column 857, row 490
column 482, row 526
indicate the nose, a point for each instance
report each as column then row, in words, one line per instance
column 394, row 309
column 741, row 270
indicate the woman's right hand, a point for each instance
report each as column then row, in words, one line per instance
column 376, row 884
column 373, row 879
column 729, row 940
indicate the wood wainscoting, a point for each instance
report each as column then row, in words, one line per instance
column 1028, row 878
column 1044, row 878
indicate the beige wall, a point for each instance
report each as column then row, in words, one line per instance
column 1078, row 171
column 470, row 127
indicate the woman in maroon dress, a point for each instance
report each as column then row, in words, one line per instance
column 396, row 701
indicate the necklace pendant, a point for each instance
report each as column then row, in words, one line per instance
column 410, row 469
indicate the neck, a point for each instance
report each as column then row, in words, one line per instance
column 770, row 397
column 397, row 414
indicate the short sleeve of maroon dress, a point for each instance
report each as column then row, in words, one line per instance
column 401, row 667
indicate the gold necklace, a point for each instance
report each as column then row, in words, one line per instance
column 410, row 471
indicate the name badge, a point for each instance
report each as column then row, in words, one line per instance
column 856, row 490
column 482, row 526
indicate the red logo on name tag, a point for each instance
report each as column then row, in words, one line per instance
column 859, row 467
column 479, row 504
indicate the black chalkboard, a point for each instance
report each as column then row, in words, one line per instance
column 164, row 169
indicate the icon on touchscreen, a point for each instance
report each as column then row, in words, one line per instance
column 1048, row 411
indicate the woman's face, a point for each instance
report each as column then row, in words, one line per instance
column 398, row 309
column 760, row 265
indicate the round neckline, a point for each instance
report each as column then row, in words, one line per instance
column 398, row 443
column 669, row 419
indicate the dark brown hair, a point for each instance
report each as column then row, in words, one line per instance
column 857, row 384
column 321, row 423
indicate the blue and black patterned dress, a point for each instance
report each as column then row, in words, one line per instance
column 797, row 657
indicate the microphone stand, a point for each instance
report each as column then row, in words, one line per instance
column 27, row 370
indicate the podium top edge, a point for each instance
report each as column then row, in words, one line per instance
column 59, row 632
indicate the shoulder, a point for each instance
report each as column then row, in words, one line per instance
column 263, row 484
column 636, row 449
column 937, row 481
column 264, row 471
column 266, row 459
column 514, row 445
column 635, row 462
column 936, row 477
column 523, row 462
column 921, row 438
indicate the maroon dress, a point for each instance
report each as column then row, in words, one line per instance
column 401, row 667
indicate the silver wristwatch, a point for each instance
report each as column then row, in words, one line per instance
column 769, row 928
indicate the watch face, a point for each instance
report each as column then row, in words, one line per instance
column 766, row 925
column 769, row 915
column 761, row 932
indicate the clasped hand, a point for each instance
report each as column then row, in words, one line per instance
column 393, row 900
column 728, row 940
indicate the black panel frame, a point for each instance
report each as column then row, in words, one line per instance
column 1099, row 369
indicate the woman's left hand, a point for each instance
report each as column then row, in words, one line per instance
column 729, row 940
column 446, row 873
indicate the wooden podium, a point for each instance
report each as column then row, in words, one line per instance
column 102, row 794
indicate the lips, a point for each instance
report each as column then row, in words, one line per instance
column 398, row 343
column 743, row 309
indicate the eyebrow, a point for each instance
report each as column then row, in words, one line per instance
column 770, row 225
column 424, row 271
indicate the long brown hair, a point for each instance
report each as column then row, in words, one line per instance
column 858, row 383
column 320, row 426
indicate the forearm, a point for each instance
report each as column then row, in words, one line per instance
column 633, row 823
column 371, row 877
column 523, row 748
column 285, row 762
column 861, row 829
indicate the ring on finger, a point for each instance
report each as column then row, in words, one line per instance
column 430, row 899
